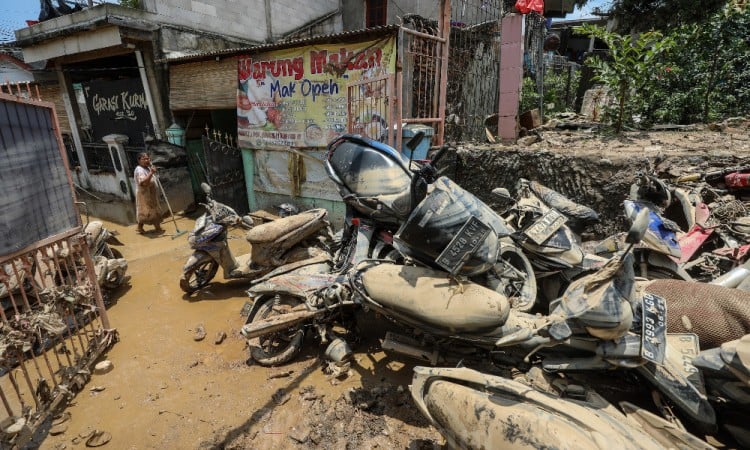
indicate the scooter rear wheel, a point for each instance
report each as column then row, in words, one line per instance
column 513, row 276
column 281, row 347
column 198, row 275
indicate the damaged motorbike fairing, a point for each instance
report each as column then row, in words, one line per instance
column 438, row 218
column 433, row 299
column 476, row 410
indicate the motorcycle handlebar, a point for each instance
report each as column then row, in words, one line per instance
column 440, row 154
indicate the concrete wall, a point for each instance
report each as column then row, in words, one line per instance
column 242, row 19
column 353, row 11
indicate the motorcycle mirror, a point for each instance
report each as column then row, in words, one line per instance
column 415, row 140
column 502, row 193
column 206, row 188
column 639, row 227
column 247, row 221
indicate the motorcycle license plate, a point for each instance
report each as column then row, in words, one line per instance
column 545, row 226
column 682, row 348
column 654, row 328
column 463, row 245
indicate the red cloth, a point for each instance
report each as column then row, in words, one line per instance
column 526, row 6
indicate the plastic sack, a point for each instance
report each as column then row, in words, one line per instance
column 526, row 6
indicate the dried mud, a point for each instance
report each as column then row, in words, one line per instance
column 596, row 170
column 168, row 390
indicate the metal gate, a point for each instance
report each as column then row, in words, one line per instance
column 225, row 171
column 375, row 99
column 53, row 323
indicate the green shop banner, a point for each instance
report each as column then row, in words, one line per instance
column 297, row 97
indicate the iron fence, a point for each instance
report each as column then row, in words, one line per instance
column 53, row 323
column 473, row 67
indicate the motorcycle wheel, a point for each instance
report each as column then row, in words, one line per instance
column 276, row 348
column 198, row 275
column 513, row 276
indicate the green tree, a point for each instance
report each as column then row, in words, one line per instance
column 632, row 71
column 710, row 77
column 662, row 15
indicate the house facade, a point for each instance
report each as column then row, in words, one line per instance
column 110, row 77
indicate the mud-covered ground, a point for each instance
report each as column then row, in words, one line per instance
column 596, row 169
column 168, row 390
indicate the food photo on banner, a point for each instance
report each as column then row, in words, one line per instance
column 298, row 97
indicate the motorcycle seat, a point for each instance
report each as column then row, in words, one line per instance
column 581, row 215
column 294, row 228
column 432, row 301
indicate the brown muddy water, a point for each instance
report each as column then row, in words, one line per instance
column 168, row 390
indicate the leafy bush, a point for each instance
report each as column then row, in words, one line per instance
column 633, row 71
column 696, row 73
column 711, row 80
column 559, row 89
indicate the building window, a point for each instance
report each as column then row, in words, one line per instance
column 375, row 13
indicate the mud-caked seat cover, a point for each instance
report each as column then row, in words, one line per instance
column 298, row 226
column 581, row 215
column 430, row 297
column 716, row 314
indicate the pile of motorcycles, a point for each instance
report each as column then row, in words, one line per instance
column 533, row 338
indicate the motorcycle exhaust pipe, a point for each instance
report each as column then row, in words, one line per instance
column 734, row 277
column 276, row 323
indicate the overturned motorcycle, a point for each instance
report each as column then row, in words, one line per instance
column 405, row 211
column 606, row 320
column 542, row 410
column 285, row 240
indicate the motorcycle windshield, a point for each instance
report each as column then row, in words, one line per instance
column 373, row 172
column 658, row 237
column 438, row 218
column 369, row 170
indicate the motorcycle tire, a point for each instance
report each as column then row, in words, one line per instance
column 198, row 275
column 277, row 348
column 513, row 276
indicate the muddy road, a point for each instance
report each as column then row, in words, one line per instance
column 168, row 390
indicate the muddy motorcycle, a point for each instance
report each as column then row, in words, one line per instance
column 447, row 313
column 712, row 233
column 548, row 228
column 109, row 265
column 275, row 243
column 404, row 211
column 541, row 410
column 478, row 410
column 605, row 320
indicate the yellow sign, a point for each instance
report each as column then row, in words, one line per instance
column 297, row 97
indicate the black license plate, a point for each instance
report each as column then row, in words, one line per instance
column 654, row 331
column 468, row 239
column 545, row 226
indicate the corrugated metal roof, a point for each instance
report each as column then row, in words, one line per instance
column 328, row 38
